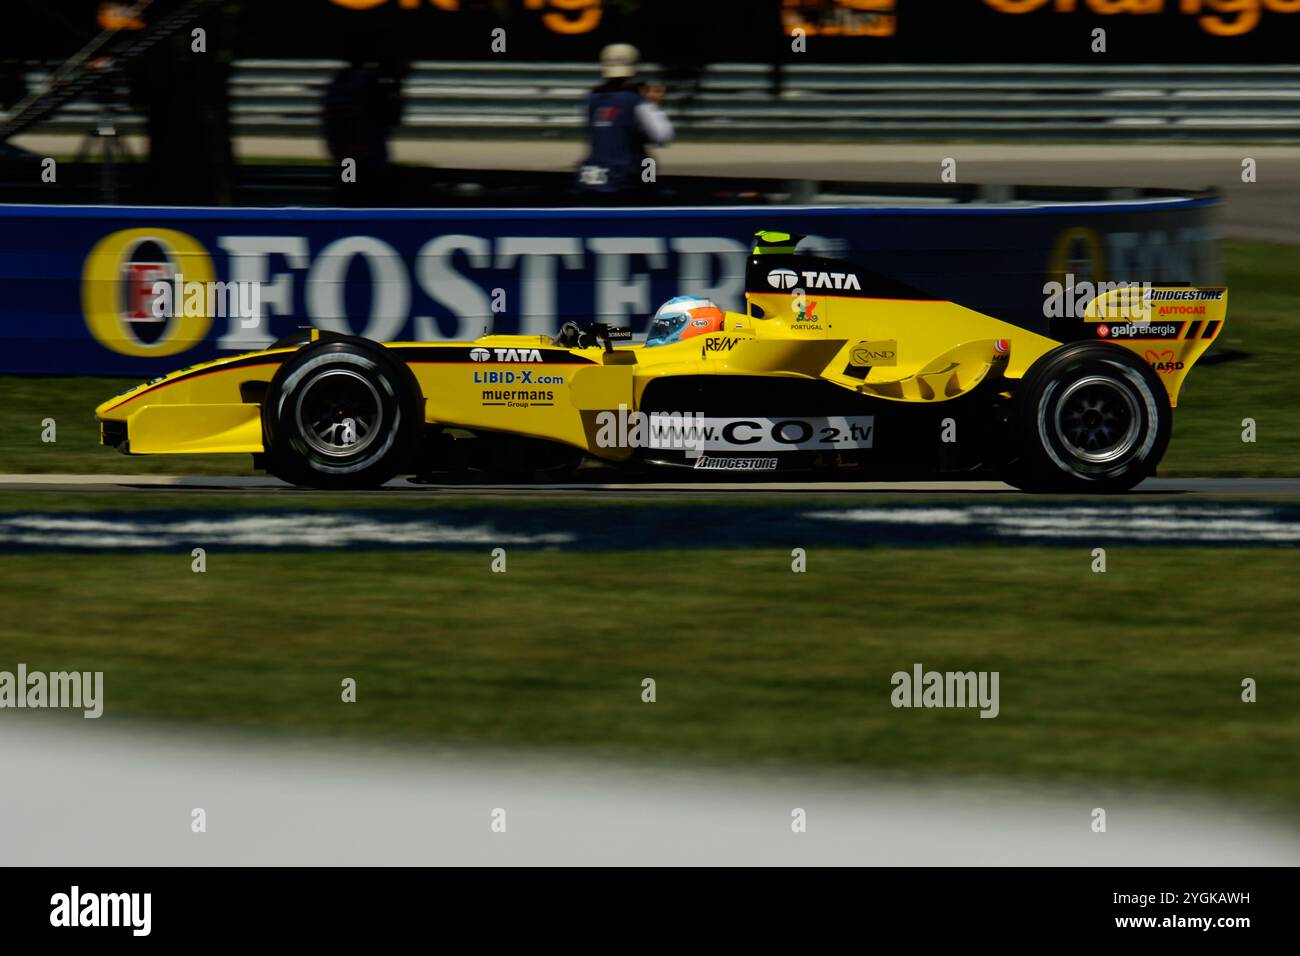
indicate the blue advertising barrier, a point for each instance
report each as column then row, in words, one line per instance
column 81, row 294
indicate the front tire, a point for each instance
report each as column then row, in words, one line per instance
column 341, row 414
column 1088, row 417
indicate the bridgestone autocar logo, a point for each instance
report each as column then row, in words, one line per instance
column 782, row 278
column 480, row 355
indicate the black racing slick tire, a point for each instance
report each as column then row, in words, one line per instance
column 341, row 413
column 1090, row 417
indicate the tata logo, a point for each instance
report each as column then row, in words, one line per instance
column 481, row 354
column 831, row 280
column 782, row 278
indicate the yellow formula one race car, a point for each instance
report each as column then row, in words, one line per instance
column 831, row 369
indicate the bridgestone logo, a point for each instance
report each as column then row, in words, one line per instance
column 716, row 463
column 1182, row 295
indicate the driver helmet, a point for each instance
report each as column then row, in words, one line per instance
column 683, row 317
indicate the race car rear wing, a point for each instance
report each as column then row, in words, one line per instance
column 1169, row 327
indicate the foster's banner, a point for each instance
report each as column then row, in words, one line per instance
column 138, row 291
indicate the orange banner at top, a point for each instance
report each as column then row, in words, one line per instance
column 558, row 16
column 1225, row 18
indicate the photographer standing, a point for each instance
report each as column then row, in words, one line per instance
column 622, row 118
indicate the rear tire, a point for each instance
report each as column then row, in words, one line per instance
column 1088, row 417
column 341, row 414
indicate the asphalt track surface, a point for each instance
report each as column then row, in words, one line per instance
column 1205, row 489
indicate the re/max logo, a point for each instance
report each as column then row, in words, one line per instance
column 719, row 345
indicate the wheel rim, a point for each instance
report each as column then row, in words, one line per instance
column 1097, row 419
column 339, row 413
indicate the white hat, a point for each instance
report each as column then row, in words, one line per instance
column 618, row 61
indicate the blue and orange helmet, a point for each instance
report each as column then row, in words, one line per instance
column 683, row 317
